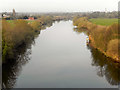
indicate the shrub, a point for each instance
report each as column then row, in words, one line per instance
column 36, row 25
column 14, row 35
column 113, row 47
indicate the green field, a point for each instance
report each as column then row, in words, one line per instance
column 12, row 21
column 104, row 21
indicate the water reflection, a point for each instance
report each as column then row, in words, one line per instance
column 56, row 74
column 11, row 70
column 105, row 66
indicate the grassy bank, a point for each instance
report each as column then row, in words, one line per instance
column 103, row 21
column 104, row 38
column 16, row 33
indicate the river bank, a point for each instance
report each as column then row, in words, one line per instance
column 19, row 33
column 60, row 58
column 103, row 38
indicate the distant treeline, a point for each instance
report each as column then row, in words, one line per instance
column 102, row 15
column 71, row 15
column 104, row 38
column 66, row 16
column 16, row 33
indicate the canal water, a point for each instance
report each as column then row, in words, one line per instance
column 60, row 58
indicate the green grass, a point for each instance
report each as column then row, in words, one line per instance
column 29, row 21
column 12, row 21
column 104, row 21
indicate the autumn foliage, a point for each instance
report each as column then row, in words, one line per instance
column 104, row 38
column 19, row 32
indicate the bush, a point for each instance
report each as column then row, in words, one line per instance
column 36, row 25
column 113, row 47
column 98, row 35
column 76, row 21
column 14, row 35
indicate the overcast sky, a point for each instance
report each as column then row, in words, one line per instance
column 58, row 5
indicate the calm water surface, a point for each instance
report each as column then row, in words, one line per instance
column 60, row 58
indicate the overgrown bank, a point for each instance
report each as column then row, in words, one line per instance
column 19, row 33
column 104, row 38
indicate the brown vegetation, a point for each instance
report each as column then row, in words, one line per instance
column 104, row 38
column 19, row 32
column 13, row 36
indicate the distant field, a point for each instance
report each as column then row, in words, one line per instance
column 104, row 21
column 12, row 21
column 29, row 21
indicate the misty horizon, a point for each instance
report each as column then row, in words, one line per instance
column 41, row 6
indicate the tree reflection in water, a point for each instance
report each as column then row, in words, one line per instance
column 105, row 67
column 11, row 70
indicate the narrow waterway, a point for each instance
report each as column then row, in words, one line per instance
column 60, row 58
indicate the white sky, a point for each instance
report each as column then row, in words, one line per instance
column 58, row 5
